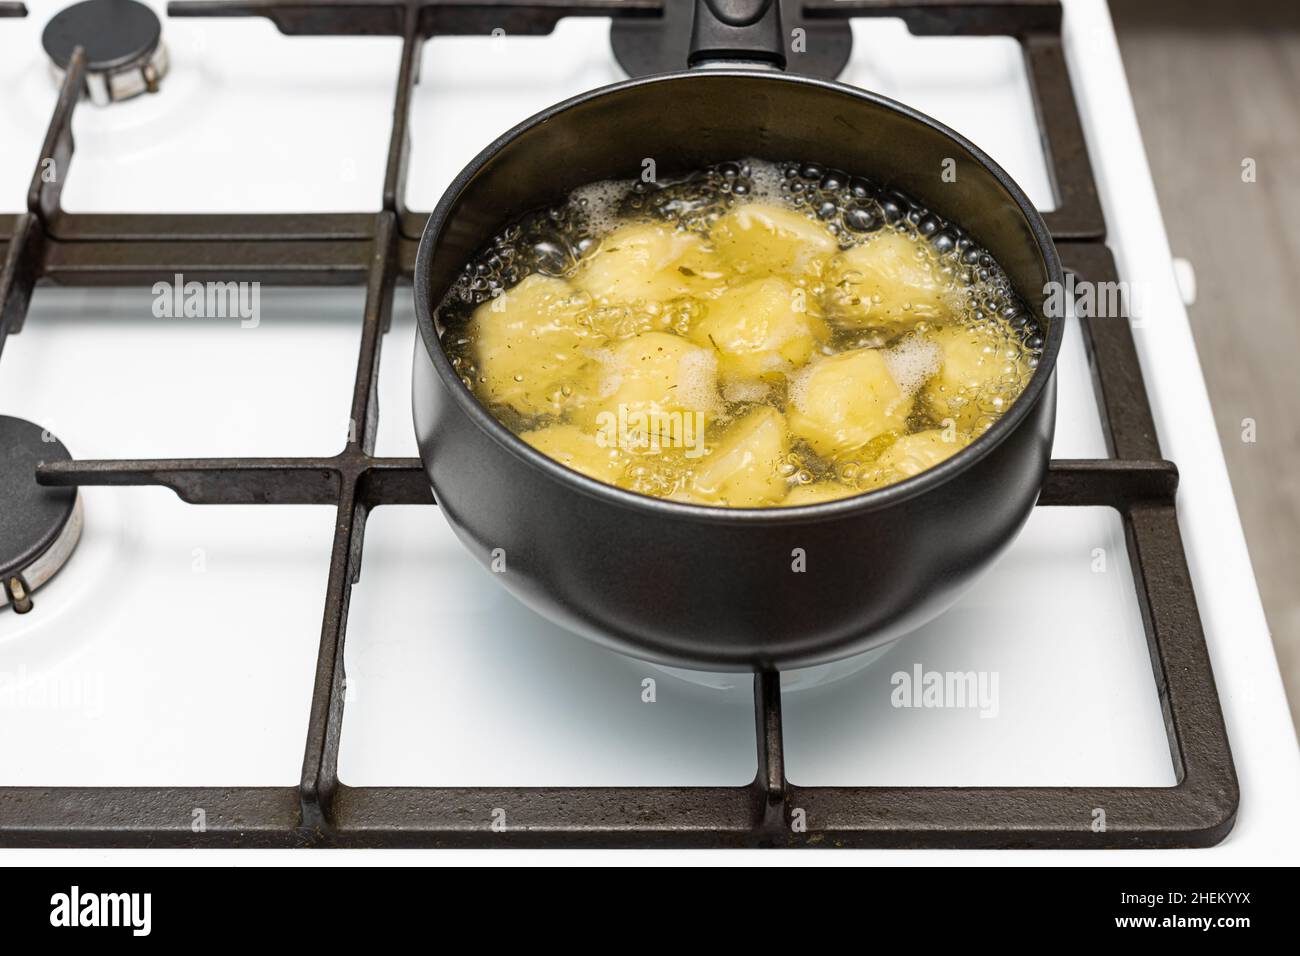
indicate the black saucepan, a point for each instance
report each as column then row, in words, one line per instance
column 717, row 588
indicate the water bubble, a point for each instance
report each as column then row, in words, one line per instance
column 860, row 219
column 891, row 208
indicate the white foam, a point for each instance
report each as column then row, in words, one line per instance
column 599, row 203
column 797, row 385
column 912, row 362
column 745, row 392
column 610, row 378
column 697, row 379
column 766, row 179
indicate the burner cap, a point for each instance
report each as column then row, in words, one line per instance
column 39, row 526
column 645, row 46
column 122, row 40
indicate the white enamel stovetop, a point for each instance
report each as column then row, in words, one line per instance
column 178, row 646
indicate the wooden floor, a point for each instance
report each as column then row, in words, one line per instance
column 1214, row 83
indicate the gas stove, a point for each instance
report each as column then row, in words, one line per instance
column 235, row 616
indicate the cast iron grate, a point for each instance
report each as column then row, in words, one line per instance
column 46, row 244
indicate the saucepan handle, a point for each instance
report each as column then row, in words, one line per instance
column 737, row 31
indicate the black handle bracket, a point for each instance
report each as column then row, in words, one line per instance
column 737, row 30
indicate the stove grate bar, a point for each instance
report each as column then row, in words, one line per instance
column 289, row 263
column 319, row 781
column 945, row 18
column 21, row 265
column 255, row 481
column 1078, row 214
column 1079, row 483
column 284, row 228
column 431, row 17
column 1126, row 417
column 769, row 784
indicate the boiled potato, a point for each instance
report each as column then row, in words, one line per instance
column 576, row 449
column 817, row 492
column 757, row 239
column 842, row 402
column 982, row 371
column 651, row 381
column 760, row 327
column 913, row 454
column 648, row 263
column 743, row 470
column 619, row 320
column 890, row 281
column 530, row 342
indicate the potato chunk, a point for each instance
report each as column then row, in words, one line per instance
column 530, row 342
column 743, row 471
column 817, row 492
column 761, row 327
column 913, row 454
column 647, row 385
column 758, row 240
column 889, row 281
column 982, row 372
column 840, row 403
column 576, row 449
column 648, row 263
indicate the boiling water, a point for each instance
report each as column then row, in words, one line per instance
column 880, row 338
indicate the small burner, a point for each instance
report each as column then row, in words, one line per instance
column 125, row 55
column 39, row 527
column 645, row 46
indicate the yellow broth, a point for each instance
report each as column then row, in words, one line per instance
column 752, row 335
